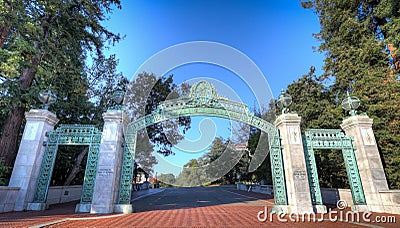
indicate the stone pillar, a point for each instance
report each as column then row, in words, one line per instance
column 109, row 165
column 297, row 187
column 30, row 155
column 368, row 160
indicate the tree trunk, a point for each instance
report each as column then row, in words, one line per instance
column 9, row 135
column 4, row 31
column 77, row 167
column 12, row 125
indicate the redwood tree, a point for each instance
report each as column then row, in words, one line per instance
column 361, row 41
column 43, row 42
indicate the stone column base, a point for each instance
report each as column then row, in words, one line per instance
column 37, row 206
column 280, row 209
column 83, row 207
column 360, row 208
column 101, row 209
column 123, row 208
column 286, row 209
column 376, row 208
column 320, row 209
column 301, row 209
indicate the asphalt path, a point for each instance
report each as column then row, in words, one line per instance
column 181, row 198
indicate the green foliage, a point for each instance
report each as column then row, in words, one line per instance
column 314, row 102
column 5, row 173
column 194, row 172
column 143, row 96
column 218, row 147
column 191, row 174
column 167, row 180
column 263, row 172
column 45, row 41
column 361, row 42
column 331, row 169
column 46, row 45
column 64, row 162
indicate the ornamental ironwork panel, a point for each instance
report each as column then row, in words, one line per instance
column 331, row 139
column 128, row 162
column 46, row 170
column 69, row 135
column 90, row 173
column 316, row 197
column 354, row 176
column 278, row 173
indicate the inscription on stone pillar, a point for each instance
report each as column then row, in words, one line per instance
column 105, row 172
column 110, row 132
column 299, row 174
column 368, row 136
column 31, row 130
column 294, row 135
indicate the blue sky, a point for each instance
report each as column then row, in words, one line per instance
column 275, row 35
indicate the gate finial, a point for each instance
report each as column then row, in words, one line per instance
column 351, row 103
column 284, row 101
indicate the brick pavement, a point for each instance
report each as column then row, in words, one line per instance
column 55, row 213
column 200, row 207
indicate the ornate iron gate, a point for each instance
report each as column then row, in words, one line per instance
column 278, row 173
column 331, row 139
column 203, row 100
column 125, row 189
column 69, row 135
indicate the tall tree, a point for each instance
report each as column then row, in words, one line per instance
column 320, row 108
column 254, row 149
column 143, row 96
column 167, row 179
column 191, row 174
column 314, row 102
column 361, row 41
column 84, row 104
column 40, row 42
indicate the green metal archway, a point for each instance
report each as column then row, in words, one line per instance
column 203, row 101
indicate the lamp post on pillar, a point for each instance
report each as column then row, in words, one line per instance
column 298, row 189
column 367, row 155
column 351, row 104
column 30, row 153
column 284, row 101
column 47, row 97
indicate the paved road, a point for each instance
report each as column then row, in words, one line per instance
column 184, row 198
column 178, row 207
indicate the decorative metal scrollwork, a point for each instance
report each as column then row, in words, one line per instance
column 128, row 162
column 331, row 139
column 278, row 172
column 69, row 135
